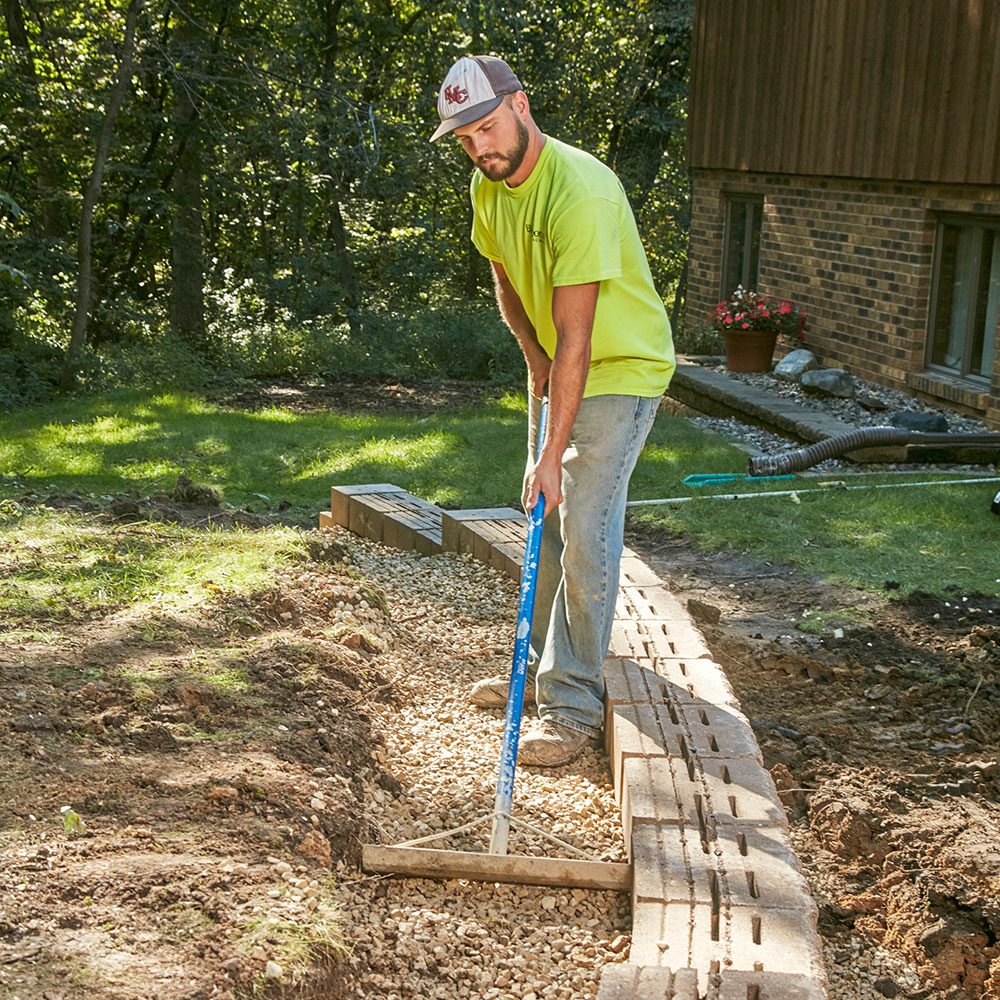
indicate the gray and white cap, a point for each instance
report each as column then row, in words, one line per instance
column 474, row 86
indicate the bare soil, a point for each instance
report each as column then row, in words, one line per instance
column 375, row 393
column 882, row 733
column 212, row 811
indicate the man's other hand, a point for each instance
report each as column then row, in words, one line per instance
column 545, row 478
column 538, row 375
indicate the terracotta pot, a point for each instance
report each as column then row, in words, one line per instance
column 750, row 350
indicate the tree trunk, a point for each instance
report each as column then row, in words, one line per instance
column 336, row 231
column 187, row 266
column 39, row 149
column 78, row 336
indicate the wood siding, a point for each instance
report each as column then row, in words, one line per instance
column 886, row 89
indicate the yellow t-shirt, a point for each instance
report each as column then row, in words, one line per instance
column 570, row 223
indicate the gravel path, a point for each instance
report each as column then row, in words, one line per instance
column 463, row 939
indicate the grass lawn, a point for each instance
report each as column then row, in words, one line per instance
column 927, row 538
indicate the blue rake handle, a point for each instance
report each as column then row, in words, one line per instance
column 519, row 670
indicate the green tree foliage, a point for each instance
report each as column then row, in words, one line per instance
column 270, row 202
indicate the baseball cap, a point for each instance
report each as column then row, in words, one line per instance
column 474, row 86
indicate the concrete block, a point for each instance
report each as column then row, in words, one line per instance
column 637, row 732
column 632, row 681
column 427, row 543
column 774, row 941
column 635, row 982
column 628, row 640
column 741, row 985
column 669, row 866
column 676, row 935
column 450, row 532
column 676, row 638
column 633, row 572
column 694, row 680
column 365, row 517
column 648, row 795
column 760, row 868
column 731, row 789
column 488, row 514
column 339, row 496
column 718, row 731
column 653, row 603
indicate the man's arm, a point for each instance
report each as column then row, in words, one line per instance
column 512, row 311
column 573, row 314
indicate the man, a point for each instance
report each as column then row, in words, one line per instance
column 573, row 284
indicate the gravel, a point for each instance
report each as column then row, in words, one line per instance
column 759, row 441
column 458, row 939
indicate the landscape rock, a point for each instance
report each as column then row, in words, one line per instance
column 793, row 366
column 925, row 423
column 870, row 403
column 828, row 382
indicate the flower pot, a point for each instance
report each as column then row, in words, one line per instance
column 750, row 350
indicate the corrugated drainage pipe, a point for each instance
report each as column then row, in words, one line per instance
column 865, row 437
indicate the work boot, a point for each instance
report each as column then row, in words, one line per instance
column 547, row 744
column 492, row 692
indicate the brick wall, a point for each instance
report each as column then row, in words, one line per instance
column 858, row 256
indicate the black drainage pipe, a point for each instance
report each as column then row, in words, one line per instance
column 865, row 437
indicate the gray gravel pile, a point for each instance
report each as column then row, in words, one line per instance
column 849, row 410
column 453, row 619
column 762, row 442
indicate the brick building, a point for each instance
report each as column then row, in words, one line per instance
column 846, row 154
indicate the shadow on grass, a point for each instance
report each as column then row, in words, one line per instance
column 464, row 458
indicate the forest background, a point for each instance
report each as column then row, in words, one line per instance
column 202, row 189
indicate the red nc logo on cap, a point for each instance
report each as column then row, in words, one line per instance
column 455, row 95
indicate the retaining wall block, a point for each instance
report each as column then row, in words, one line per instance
column 734, row 790
column 669, row 865
column 339, row 496
column 739, row 985
column 648, row 795
column 635, row 573
column 669, row 638
column 652, row 603
column 706, row 936
column 631, row 982
column 695, row 679
column 628, row 681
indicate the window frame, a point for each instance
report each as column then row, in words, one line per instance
column 756, row 201
column 984, row 224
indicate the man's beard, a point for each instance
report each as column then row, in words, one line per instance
column 500, row 166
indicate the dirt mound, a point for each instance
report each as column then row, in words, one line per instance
column 218, row 769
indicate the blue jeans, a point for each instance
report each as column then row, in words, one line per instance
column 580, row 555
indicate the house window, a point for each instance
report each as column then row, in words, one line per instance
column 741, row 253
column 966, row 305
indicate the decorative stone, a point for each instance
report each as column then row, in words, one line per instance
column 828, row 382
column 926, row 423
column 871, row 403
column 793, row 366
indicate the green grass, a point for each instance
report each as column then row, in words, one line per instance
column 59, row 564
column 926, row 538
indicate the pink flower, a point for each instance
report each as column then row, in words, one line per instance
column 729, row 320
column 746, row 326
